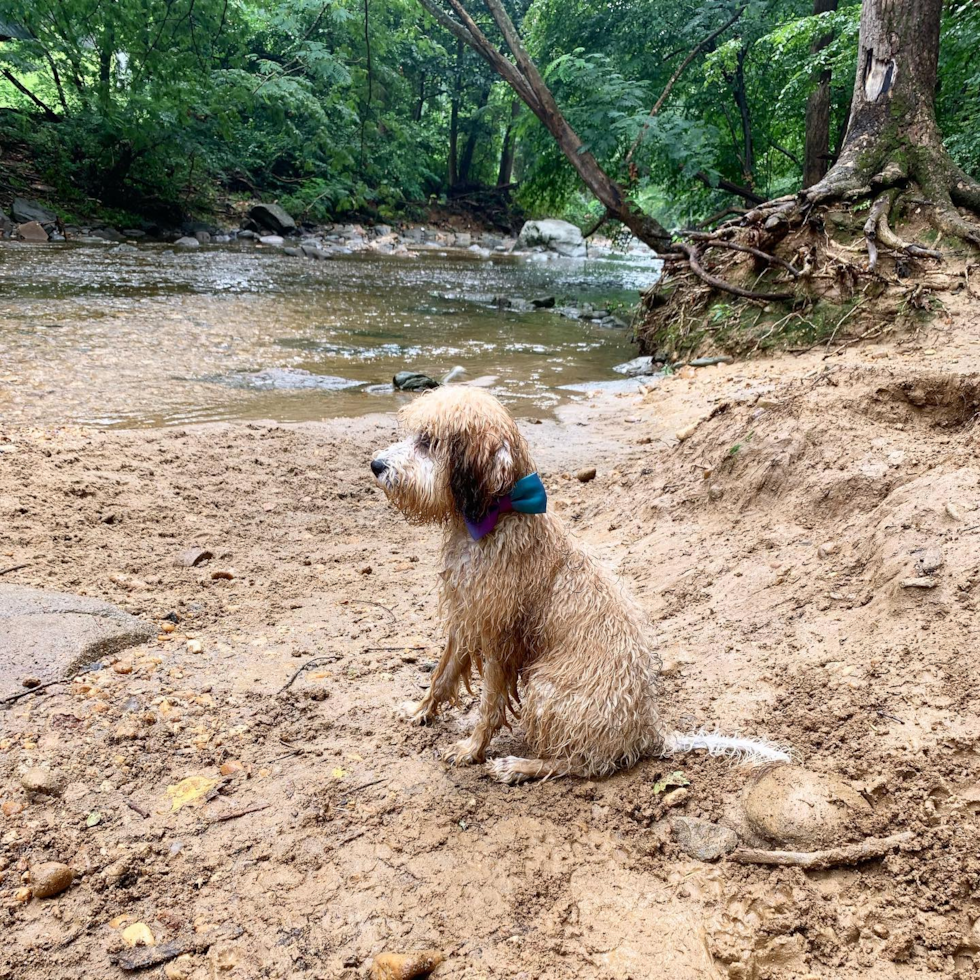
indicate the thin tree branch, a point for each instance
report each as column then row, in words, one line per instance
column 49, row 113
column 672, row 81
column 726, row 185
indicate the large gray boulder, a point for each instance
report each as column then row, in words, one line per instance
column 50, row 635
column 273, row 217
column 24, row 211
column 554, row 236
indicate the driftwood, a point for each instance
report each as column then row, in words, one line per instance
column 866, row 850
column 144, row 956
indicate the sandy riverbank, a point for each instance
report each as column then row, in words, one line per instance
column 361, row 840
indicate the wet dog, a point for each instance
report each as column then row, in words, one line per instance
column 552, row 635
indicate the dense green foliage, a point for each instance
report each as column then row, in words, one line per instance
column 353, row 105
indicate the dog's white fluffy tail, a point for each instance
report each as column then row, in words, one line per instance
column 754, row 751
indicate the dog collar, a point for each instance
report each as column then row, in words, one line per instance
column 528, row 496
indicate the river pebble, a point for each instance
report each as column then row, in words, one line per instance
column 50, row 878
column 38, row 780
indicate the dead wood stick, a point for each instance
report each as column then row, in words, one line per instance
column 136, row 808
column 377, row 605
column 14, row 568
column 142, row 957
column 866, row 850
column 315, row 662
column 234, row 814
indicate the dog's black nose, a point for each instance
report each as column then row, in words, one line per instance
column 378, row 467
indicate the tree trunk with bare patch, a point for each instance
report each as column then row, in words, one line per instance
column 892, row 138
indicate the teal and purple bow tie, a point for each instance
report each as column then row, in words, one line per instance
column 528, row 496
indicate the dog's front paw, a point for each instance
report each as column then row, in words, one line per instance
column 464, row 753
column 415, row 712
column 504, row 770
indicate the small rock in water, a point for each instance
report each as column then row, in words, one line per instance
column 543, row 303
column 271, row 240
column 193, row 557
column 586, row 475
column 50, row 878
column 188, row 242
column 38, row 780
column 292, row 252
column 413, row 381
column 702, row 839
column 405, row 966
column 637, row 367
column 31, row 231
column 795, row 808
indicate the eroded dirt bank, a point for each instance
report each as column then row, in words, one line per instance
column 769, row 547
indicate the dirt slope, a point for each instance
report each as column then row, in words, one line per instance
column 366, row 842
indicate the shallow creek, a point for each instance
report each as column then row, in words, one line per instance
column 91, row 335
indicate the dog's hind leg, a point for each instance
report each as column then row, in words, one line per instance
column 454, row 668
column 511, row 769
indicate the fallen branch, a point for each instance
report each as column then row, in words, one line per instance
column 13, row 568
column 868, row 850
column 144, row 956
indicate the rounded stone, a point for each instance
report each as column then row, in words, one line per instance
column 794, row 808
column 50, row 878
column 38, row 780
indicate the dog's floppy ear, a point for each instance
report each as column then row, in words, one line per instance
column 480, row 471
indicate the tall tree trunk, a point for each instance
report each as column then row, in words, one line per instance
column 474, row 132
column 742, row 101
column 453, row 176
column 892, row 136
column 816, row 155
column 506, row 172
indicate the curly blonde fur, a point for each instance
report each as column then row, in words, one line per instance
column 551, row 633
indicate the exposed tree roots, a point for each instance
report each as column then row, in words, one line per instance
column 804, row 249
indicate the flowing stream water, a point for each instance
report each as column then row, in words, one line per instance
column 151, row 337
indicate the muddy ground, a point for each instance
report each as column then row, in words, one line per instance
column 769, row 548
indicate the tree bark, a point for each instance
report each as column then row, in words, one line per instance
column 506, row 171
column 816, row 156
column 892, row 136
column 473, row 134
column 453, row 175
